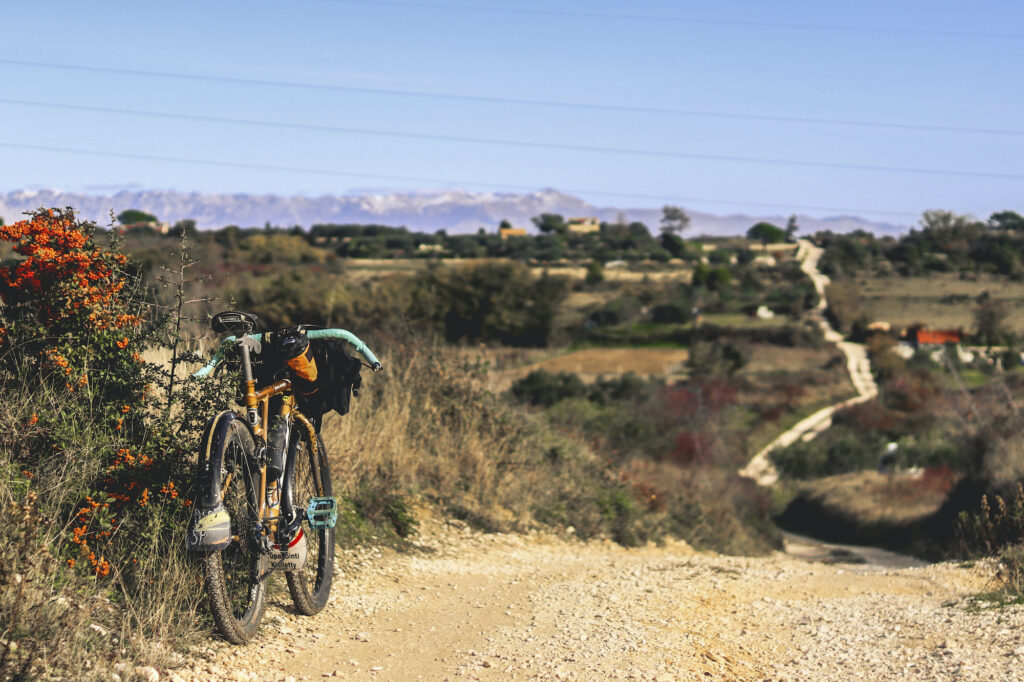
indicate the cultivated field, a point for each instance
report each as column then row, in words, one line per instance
column 940, row 301
column 361, row 269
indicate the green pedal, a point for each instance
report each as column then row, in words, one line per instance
column 322, row 512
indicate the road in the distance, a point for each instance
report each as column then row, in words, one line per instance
column 760, row 467
column 466, row 605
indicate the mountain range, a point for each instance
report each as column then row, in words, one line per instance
column 426, row 211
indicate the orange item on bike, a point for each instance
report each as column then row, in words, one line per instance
column 304, row 366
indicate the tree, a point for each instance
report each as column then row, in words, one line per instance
column 133, row 215
column 673, row 244
column 1003, row 220
column 937, row 219
column 674, row 219
column 550, row 222
column 791, row 228
column 767, row 233
column 639, row 230
column 186, row 226
column 503, row 225
column 990, row 319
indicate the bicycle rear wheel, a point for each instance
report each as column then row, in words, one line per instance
column 310, row 477
column 235, row 575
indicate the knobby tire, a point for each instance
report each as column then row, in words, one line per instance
column 311, row 586
column 235, row 582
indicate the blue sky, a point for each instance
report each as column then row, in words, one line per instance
column 919, row 65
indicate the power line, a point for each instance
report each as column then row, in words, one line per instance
column 504, row 9
column 693, row 156
column 587, row 106
column 436, row 181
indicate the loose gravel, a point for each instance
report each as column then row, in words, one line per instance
column 466, row 605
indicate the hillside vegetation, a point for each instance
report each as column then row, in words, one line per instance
column 485, row 411
column 97, row 452
column 951, row 417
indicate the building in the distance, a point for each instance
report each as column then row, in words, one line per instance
column 920, row 336
column 507, row 232
column 583, row 225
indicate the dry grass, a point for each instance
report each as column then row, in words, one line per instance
column 874, row 498
column 903, row 301
column 668, row 274
column 582, row 300
column 52, row 616
column 746, row 321
column 769, row 358
column 426, row 427
column 590, row 363
column 362, row 269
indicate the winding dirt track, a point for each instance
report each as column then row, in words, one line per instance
column 465, row 605
column 760, row 467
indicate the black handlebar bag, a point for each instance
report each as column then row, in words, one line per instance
column 323, row 374
column 338, row 376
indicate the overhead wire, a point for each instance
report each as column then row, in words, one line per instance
column 436, row 181
column 526, row 143
column 488, row 99
column 621, row 16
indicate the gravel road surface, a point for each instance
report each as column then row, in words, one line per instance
column 466, row 605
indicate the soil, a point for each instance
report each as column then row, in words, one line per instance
column 459, row 604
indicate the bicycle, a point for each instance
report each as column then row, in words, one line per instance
column 264, row 499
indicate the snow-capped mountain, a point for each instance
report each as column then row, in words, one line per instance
column 427, row 211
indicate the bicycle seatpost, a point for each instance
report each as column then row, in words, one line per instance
column 248, row 344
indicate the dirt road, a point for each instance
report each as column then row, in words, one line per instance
column 760, row 467
column 464, row 605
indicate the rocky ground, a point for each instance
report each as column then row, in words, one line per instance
column 462, row 604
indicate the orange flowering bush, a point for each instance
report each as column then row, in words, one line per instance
column 65, row 274
column 71, row 326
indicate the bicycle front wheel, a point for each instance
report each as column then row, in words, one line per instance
column 235, row 575
column 310, row 477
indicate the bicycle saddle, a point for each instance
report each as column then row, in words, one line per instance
column 235, row 323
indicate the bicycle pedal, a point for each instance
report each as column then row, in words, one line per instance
column 322, row 512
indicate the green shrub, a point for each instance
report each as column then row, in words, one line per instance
column 544, row 388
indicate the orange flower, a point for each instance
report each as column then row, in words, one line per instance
column 33, row 419
column 27, row 474
column 71, row 563
column 125, row 409
column 123, row 343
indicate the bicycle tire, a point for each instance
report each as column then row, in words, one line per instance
column 310, row 587
column 235, row 576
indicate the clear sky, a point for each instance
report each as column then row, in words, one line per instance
column 875, row 107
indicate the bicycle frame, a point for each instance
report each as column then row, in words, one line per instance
column 257, row 408
column 274, row 503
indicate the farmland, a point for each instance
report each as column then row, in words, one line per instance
column 940, row 300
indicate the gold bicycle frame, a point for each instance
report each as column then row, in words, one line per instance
column 258, row 403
